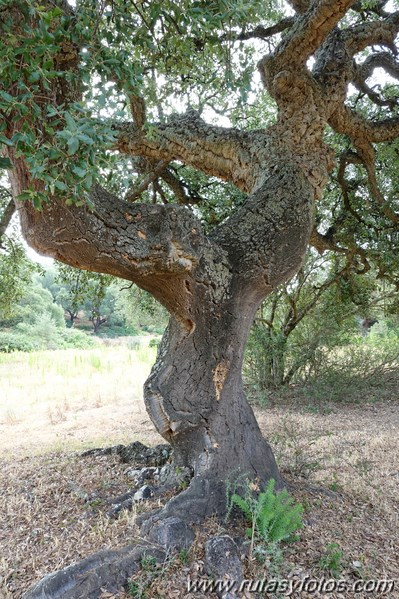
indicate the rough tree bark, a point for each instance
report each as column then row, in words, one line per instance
column 212, row 284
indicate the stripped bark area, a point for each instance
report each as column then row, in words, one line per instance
column 212, row 284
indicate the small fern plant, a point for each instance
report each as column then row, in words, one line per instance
column 273, row 515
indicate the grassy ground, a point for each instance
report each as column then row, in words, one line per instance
column 72, row 398
column 342, row 463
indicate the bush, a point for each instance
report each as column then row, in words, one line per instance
column 362, row 359
column 43, row 334
column 73, row 338
column 44, row 331
column 10, row 341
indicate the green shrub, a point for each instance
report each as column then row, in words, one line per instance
column 154, row 343
column 112, row 331
column 10, row 341
column 331, row 561
column 73, row 338
column 272, row 515
column 43, row 334
column 44, row 331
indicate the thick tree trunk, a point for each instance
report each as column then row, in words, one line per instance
column 196, row 400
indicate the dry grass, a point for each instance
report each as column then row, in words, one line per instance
column 343, row 466
column 72, row 398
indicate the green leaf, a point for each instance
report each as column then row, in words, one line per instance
column 5, row 163
column 79, row 171
column 7, row 97
column 60, row 185
column 5, row 140
column 25, row 195
column 70, row 122
column 35, row 76
column 73, row 145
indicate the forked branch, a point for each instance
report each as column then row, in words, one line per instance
column 309, row 31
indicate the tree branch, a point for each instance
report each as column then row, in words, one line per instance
column 6, row 218
column 323, row 243
column 383, row 33
column 261, row 32
column 176, row 187
column 363, row 133
column 346, row 121
column 157, row 247
column 214, row 150
column 383, row 60
column 348, row 158
column 365, row 70
column 309, row 31
column 135, row 193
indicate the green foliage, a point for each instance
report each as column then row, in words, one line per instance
column 184, row 556
column 140, row 311
column 97, row 57
column 331, row 561
column 80, row 289
column 65, row 150
column 362, row 368
column 5, row 163
column 73, row 338
column 38, row 323
column 310, row 327
column 36, row 302
column 43, row 330
column 273, row 515
column 11, row 341
column 15, row 275
column 42, row 335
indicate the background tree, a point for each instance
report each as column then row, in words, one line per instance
column 15, row 268
column 139, row 310
column 87, row 93
column 323, row 307
column 80, row 290
column 37, row 322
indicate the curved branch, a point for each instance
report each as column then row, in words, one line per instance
column 217, row 151
column 367, row 153
column 157, row 247
column 348, row 158
column 383, row 33
column 383, row 60
column 346, row 121
column 323, row 243
column 261, row 32
column 365, row 70
column 363, row 133
column 135, row 193
column 176, row 187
